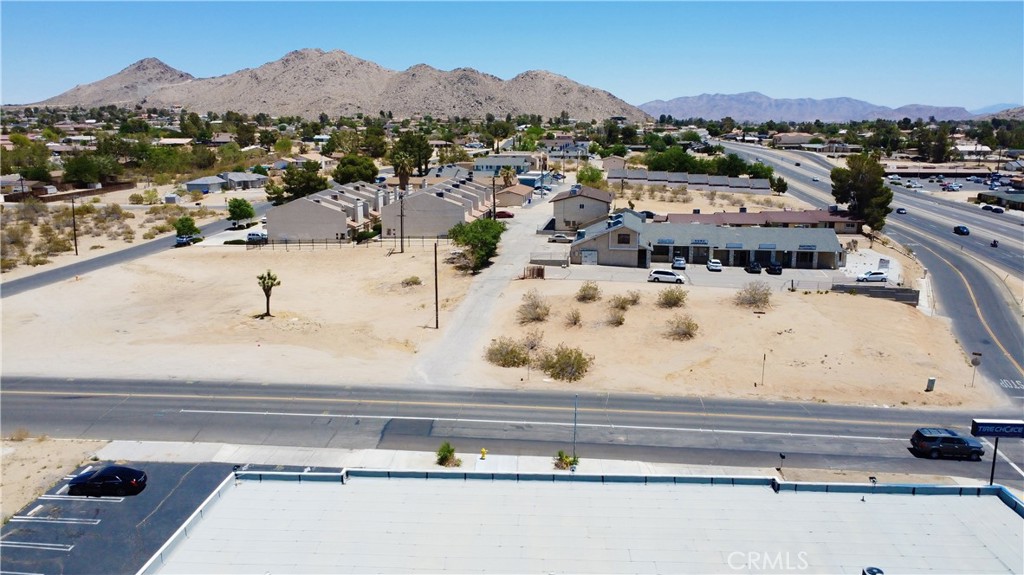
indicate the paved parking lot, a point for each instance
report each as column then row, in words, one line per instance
column 58, row 533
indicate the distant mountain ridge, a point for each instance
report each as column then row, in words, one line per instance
column 756, row 107
column 310, row 81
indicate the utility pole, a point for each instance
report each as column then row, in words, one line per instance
column 74, row 223
column 401, row 221
column 494, row 201
column 437, row 304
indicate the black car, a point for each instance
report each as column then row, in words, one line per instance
column 774, row 268
column 901, row 210
column 753, row 268
column 938, row 442
column 961, row 231
column 110, row 480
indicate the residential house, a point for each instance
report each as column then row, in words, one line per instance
column 579, row 206
column 242, row 180
column 614, row 163
column 791, row 140
column 518, row 161
column 514, row 196
column 316, row 217
column 425, row 213
column 206, row 184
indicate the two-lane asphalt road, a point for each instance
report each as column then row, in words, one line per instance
column 613, row 426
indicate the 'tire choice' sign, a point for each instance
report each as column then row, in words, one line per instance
column 997, row 428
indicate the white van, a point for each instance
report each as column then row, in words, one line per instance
column 256, row 237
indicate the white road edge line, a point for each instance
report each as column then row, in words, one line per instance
column 33, row 512
column 65, row 520
column 546, row 423
column 56, row 497
column 32, row 545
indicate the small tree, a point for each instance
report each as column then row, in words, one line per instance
column 268, row 282
column 240, row 209
column 186, row 226
column 757, row 295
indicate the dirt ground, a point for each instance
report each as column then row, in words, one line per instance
column 355, row 314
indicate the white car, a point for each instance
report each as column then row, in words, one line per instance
column 664, row 276
column 714, row 265
column 560, row 239
column 873, row 276
column 679, row 263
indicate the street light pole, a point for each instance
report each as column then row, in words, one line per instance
column 74, row 223
column 494, row 201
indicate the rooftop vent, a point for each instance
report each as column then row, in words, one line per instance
column 696, row 210
column 743, row 210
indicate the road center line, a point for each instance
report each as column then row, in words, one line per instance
column 543, row 423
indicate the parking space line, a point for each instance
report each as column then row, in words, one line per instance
column 63, row 488
column 63, row 520
column 57, row 497
column 40, row 546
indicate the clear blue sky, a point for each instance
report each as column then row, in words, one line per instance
column 968, row 54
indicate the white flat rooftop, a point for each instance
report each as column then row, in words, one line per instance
column 380, row 525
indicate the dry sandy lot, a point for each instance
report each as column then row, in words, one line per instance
column 343, row 315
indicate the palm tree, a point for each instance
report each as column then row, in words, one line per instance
column 507, row 175
column 403, row 163
column 268, row 282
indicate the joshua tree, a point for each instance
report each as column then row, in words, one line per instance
column 268, row 282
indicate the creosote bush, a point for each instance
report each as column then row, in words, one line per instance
column 565, row 363
column 616, row 317
column 757, row 295
column 412, row 281
column 533, row 308
column 682, row 327
column 672, row 297
column 573, row 318
column 506, row 352
column 588, row 292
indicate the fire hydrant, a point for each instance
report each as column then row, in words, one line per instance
column 483, row 453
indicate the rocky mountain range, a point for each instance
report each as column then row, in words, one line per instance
column 756, row 107
column 308, row 82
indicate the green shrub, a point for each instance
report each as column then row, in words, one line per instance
column 633, row 297
column 135, row 199
column 533, row 308
column 565, row 461
column 565, row 363
column 757, row 295
column 573, row 318
column 682, row 327
column 672, row 297
column 506, row 352
column 411, row 281
column 236, row 243
column 446, row 456
column 533, row 341
column 588, row 292
column 619, row 302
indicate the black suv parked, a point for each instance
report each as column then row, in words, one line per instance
column 774, row 268
column 936, row 443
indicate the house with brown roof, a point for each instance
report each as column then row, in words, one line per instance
column 514, row 196
column 579, row 206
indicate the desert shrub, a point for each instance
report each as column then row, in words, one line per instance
column 633, row 297
column 573, row 318
column 236, row 242
column 50, row 242
column 128, row 234
column 588, row 292
column 150, row 197
column 17, row 235
column 621, row 303
column 565, row 363
column 35, row 259
column 412, row 281
column 150, row 234
column 533, row 341
column 682, row 327
column 672, row 297
column 506, row 352
column 8, row 264
column 96, row 247
column 446, row 456
column 564, row 461
column 20, row 434
column 31, row 210
column 533, row 308
column 757, row 295
column 616, row 316
column 135, row 199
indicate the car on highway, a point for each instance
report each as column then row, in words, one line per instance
column 679, row 263
column 115, row 480
column 997, row 210
column 986, row 207
column 815, row 179
column 560, row 239
column 182, row 241
column 893, row 178
column 664, row 276
column 504, row 214
column 901, row 210
column 773, row 268
column 714, row 265
column 873, row 276
column 961, row 231
column 753, row 268
column 938, row 442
